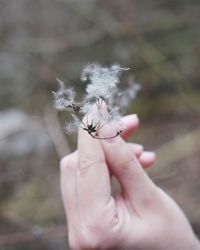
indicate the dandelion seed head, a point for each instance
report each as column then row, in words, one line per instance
column 103, row 81
column 102, row 85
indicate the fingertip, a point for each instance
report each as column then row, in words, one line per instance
column 131, row 118
column 136, row 148
column 131, row 123
column 147, row 158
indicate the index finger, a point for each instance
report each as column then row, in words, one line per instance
column 93, row 180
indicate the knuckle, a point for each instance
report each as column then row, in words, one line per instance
column 66, row 163
column 150, row 199
column 86, row 162
column 127, row 164
column 90, row 237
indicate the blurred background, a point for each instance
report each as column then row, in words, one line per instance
column 45, row 39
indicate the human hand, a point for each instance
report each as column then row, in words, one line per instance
column 141, row 217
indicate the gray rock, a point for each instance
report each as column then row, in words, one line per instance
column 21, row 136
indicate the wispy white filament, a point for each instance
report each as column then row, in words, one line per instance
column 102, row 85
column 63, row 98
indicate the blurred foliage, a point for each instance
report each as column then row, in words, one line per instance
column 45, row 39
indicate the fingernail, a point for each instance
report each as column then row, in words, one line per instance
column 130, row 118
column 108, row 132
column 138, row 147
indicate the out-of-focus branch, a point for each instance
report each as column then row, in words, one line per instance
column 12, row 122
column 103, row 20
column 154, row 58
column 180, row 148
column 64, row 43
column 55, row 132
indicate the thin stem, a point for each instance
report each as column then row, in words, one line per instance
column 102, row 126
column 77, row 114
column 107, row 138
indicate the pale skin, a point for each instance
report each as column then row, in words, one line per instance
column 140, row 217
